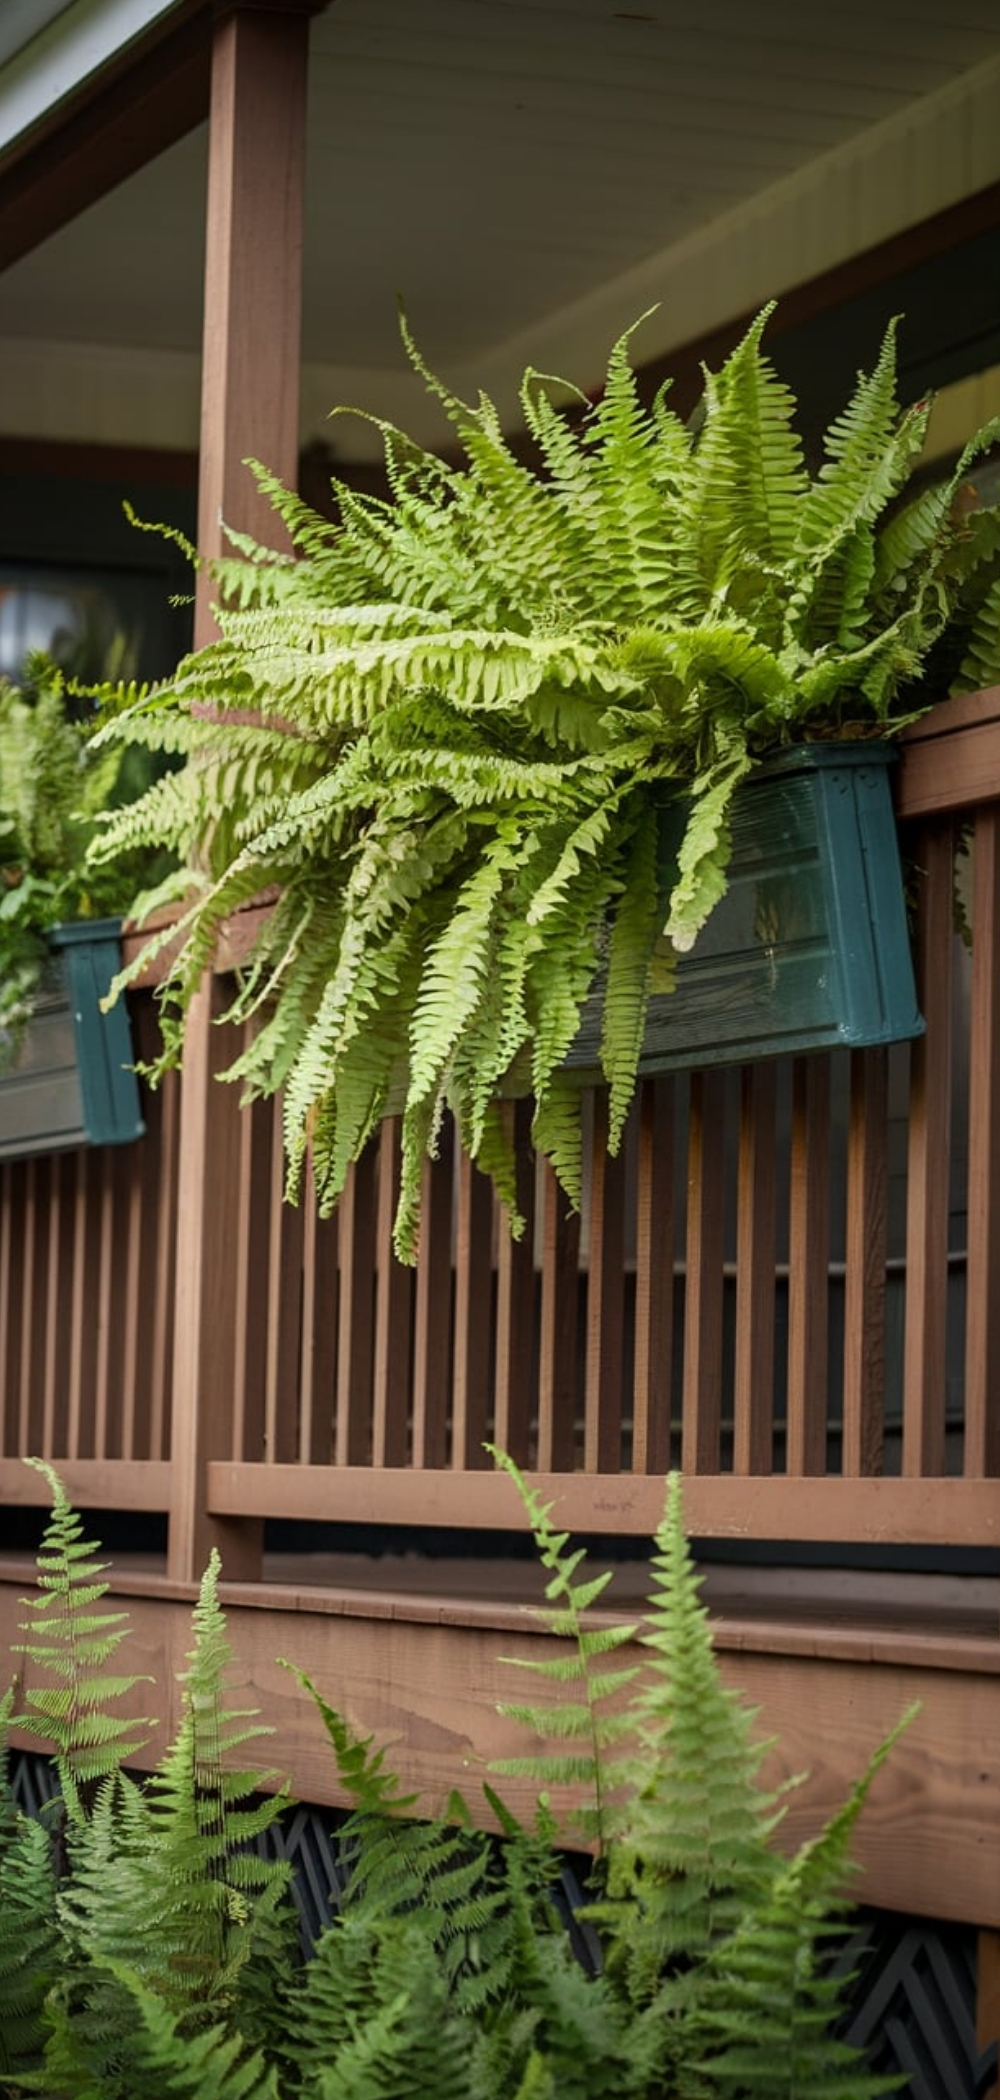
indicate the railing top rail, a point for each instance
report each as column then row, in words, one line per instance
column 950, row 759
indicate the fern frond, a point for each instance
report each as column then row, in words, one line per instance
column 597, row 1764
column 69, row 1696
column 692, row 1854
column 769, row 1996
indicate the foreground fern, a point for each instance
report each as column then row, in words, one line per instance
column 146, row 1948
column 450, row 730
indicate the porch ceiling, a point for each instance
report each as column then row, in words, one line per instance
column 529, row 173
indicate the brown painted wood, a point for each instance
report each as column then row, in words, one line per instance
column 432, row 1312
column 516, row 1383
column 654, row 1279
column 57, row 1351
column 253, row 274
column 10, row 1303
column 928, row 1167
column 87, row 1288
column 950, row 759
column 32, row 1301
column 808, row 1267
column 208, row 1240
column 253, row 1225
column 753, row 1391
column 602, row 1407
column 284, row 1310
column 158, row 1165
column 865, row 1264
column 703, row 1301
column 393, row 1346
column 425, row 1675
column 982, row 1320
column 559, row 1314
column 988, row 1998
column 473, row 1331
column 915, row 1512
column 91, row 1483
column 356, row 1313
column 249, row 404
column 320, row 1320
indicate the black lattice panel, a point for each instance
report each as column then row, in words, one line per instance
column 912, row 2000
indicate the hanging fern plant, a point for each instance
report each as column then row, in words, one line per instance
column 447, row 729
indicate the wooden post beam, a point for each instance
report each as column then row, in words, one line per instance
column 250, row 388
column 253, row 272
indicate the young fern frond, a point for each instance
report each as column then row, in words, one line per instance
column 69, row 1697
column 210, row 1892
column 769, row 1996
column 591, row 1723
column 692, row 1856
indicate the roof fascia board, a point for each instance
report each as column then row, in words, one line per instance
column 69, row 50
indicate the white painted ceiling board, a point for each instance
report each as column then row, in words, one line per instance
column 500, row 162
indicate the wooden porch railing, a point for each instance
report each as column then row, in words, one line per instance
column 789, row 1284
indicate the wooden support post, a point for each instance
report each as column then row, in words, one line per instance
column 250, row 387
column 253, row 272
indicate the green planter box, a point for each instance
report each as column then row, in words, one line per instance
column 72, row 1083
column 809, row 949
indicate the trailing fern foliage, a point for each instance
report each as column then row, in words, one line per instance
column 451, row 729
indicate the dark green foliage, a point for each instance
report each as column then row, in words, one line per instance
column 54, row 783
column 139, row 1915
column 448, row 732
column 146, row 1950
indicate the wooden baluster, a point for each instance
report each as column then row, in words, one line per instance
column 558, row 1328
column 808, row 1267
column 602, row 1440
column 356, row 1314
column 654, row 1279
column 32, row 1312
column 865, row 1264
column 82, row 1428
column 982, row 1329
column 473, row 1334
column 163, row 1117
column 282, row 1295
column 753, row 1391
column 924, row 1358
column 320, row 1319
column 11, row 1244
column 516, row 1309
column 432, row 1325
column 257, row 1218
column 703, row 1304
column 393, row 1316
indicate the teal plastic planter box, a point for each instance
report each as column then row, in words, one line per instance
column 809, row 949
column 72, row 1083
